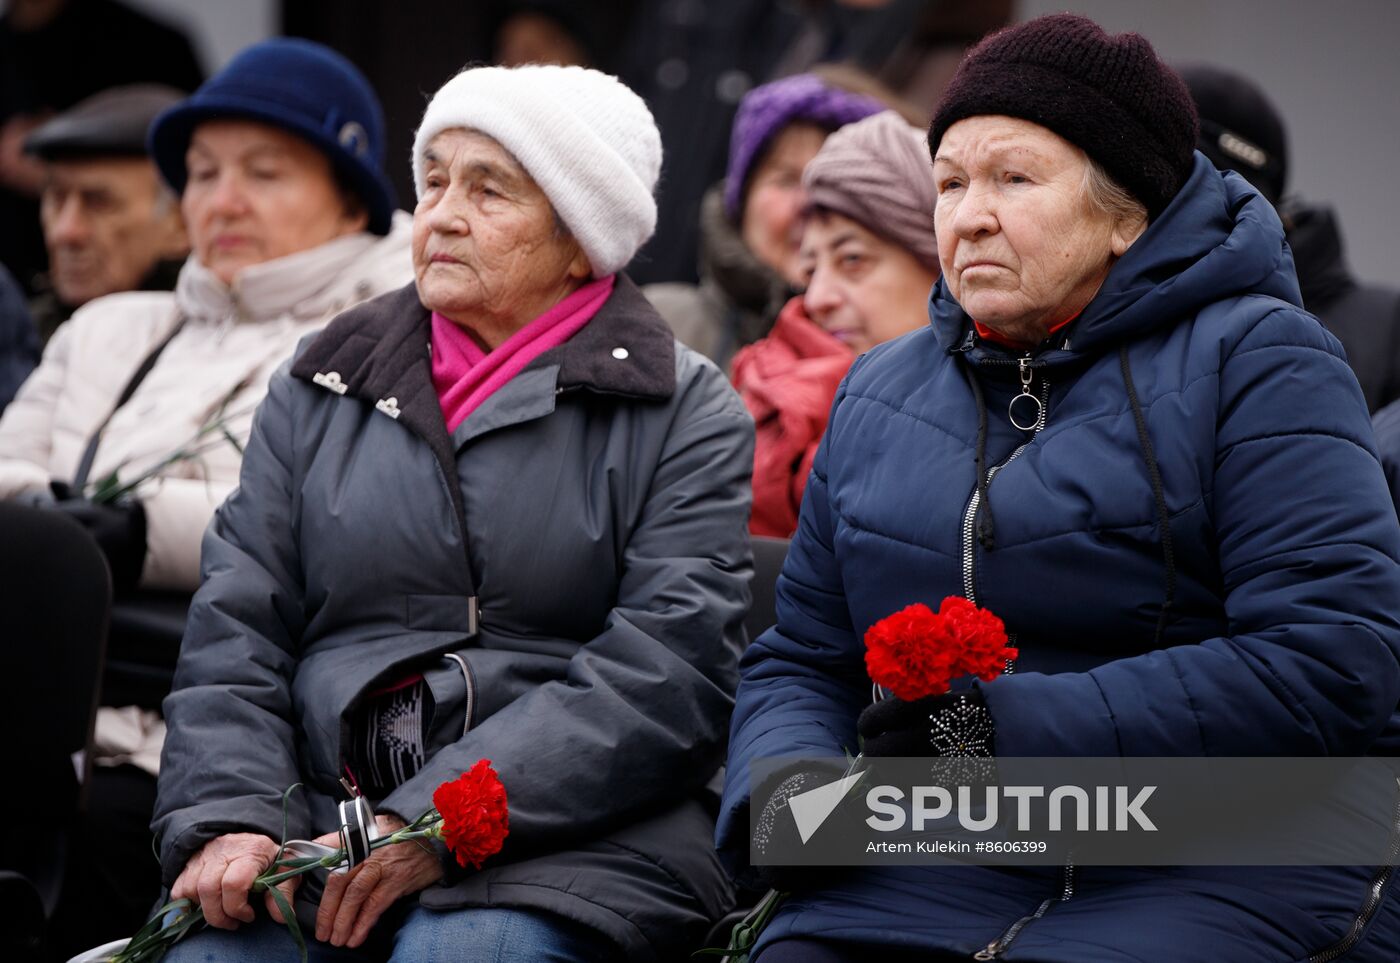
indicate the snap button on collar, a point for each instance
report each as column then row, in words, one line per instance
column 330, row 380
column 390, row 407
column 620, row 354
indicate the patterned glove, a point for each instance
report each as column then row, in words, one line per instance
column 776, row 831
column 955, row 725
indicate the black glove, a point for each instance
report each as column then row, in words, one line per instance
column 952, row 725
column 776, row 831
column 119, row 529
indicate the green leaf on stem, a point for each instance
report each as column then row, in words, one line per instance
column 232, row 440
column 286, row 816
column 284, row 906
column 745, row 933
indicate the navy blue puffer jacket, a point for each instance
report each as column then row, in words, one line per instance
column 1279, row 580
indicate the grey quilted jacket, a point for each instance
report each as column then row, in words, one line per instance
column 602, row 496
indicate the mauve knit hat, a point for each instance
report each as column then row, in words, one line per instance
column 766, row 110
column 1111, row 96
column 586, row 138
column 877, row 172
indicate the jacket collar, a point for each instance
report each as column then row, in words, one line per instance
column 378, row 352
column 309, row 284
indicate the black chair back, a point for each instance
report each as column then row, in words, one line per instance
column 55, row 592
column 143, row 643
column 768, row 556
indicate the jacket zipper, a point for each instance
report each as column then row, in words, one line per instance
column 469, row 679
column 973, row 503
column 470, row 675
column 998, row 946
column 1372, row 901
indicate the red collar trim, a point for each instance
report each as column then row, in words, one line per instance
column 987, row 334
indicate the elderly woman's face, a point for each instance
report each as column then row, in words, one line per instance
column 771, row 226
column 486, row 247
column 1022, row 246
column 256, row 193
column 861, row 288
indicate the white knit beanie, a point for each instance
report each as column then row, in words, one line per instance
column 586, row 139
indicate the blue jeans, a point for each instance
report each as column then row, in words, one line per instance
column 468, row 935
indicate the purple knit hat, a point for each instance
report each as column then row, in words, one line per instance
column 766, row 110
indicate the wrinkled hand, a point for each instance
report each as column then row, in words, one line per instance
column 220, row 876
column 354, row 901
column 955, row 724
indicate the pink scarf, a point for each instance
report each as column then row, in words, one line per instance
column 465, row 375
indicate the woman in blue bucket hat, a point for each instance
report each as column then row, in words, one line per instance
column 276, row 162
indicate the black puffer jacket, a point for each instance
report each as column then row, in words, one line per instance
column 604, row 494
column 1364, row 317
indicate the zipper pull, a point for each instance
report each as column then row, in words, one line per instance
column 990, row 952
column 1026, row 395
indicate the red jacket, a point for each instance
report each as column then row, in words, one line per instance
column 788, row 381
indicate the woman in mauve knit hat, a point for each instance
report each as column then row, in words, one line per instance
column 867, row 260
column 1123, row 436
column 498, row 514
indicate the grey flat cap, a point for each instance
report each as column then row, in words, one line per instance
column 113, row 122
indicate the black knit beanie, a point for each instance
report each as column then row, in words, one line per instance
column 1108, row 95
column 1240, row 129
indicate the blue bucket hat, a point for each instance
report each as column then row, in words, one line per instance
column 304, row 88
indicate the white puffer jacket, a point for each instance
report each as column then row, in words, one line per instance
column 231, row 341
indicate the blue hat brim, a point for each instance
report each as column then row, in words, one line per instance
column 169, row 140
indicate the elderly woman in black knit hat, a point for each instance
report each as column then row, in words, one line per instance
column 1122, row 435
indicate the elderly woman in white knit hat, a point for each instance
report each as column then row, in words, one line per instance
column 499, row 514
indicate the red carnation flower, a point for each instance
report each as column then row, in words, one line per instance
column 916, row 652
column 981, row 638
column 475, row 820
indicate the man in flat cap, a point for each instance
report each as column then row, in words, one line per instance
column 110, row 223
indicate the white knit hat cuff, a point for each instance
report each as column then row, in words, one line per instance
column 597, row 193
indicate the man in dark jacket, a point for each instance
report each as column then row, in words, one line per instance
column 1241, row 131
column 54, row 53
column 19, row 347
